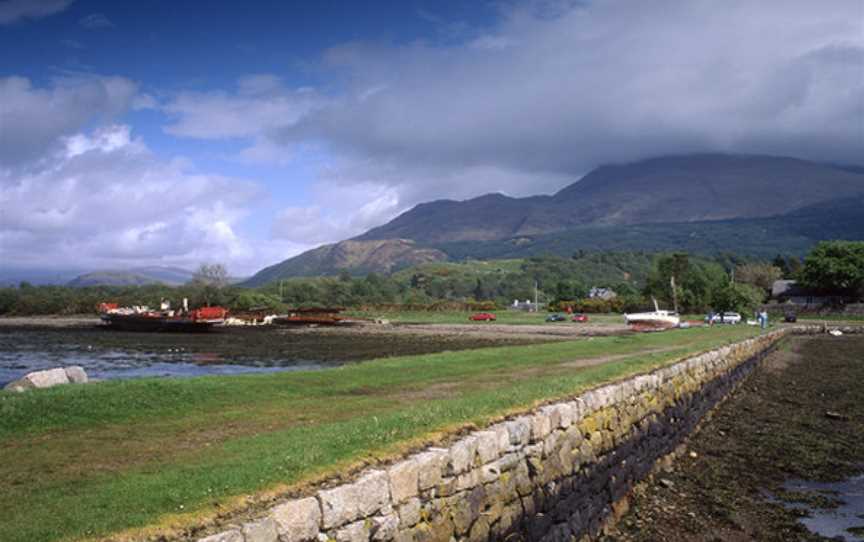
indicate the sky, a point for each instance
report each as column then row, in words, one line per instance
column 178, row 132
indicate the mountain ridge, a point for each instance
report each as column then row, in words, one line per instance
column 756, row 204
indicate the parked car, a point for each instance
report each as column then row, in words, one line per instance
column 556, row 318
column 580, row 318
column 790, row 317
column 724, row 318
column 482, row 317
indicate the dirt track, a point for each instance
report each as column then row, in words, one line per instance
column 544, row 332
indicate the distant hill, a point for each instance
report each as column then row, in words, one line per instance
column 706, row 203
column 694, row 188
column 171, row 276
column 357, row 257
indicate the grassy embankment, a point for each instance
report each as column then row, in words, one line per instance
column 83, row 461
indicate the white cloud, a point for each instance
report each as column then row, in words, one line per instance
column 12, row 11
column 34, row 120
column 105, row 201
column 96, row 21
column 259, row 104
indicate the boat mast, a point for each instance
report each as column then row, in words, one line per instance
column 674, row 293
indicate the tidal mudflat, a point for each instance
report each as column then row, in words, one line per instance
column 103, row 353
column 781, row 460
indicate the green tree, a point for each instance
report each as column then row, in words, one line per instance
column 209, row 281
column 742, row 298
column 761, row 275
column 835, row 267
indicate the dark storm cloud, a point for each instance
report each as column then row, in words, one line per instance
column 610, row 81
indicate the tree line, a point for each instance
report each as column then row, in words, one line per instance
column 700, row 284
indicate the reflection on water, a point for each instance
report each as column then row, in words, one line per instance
column 117, row 354
column 846, row 522
column 23, row 353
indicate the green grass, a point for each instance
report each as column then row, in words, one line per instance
column 831, row 318
column 92, row 460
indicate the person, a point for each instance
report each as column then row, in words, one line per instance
column 763, row 319
column 711, row 318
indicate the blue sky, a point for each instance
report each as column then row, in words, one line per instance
column 156, row 132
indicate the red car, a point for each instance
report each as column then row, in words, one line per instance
column 482, row 317
column 580, row 317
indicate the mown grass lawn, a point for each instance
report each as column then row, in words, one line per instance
column 87, row 461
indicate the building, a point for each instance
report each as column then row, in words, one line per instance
column 789, row 291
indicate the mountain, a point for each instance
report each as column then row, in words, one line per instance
column 793, row 233
column 171, row 276
column 706, row 203
column 359, row 257
column 692, row 188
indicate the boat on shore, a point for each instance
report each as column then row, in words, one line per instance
column 656, row 319
column 312, row 316
column 163, row 320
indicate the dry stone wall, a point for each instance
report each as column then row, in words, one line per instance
column 557, row 473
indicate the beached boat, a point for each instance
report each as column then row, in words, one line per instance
column 145, row 319
column 657, row 318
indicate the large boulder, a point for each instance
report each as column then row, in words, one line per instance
column 48, row 379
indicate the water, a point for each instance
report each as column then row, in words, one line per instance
column 834, row 522
column 21, row 353
column 107, row 354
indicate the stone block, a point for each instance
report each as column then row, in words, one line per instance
column 565, row 414
column 430, row 467
column 553, row 414
column 404, row 480
column 540, row 426
column 409, row 513
column 520, row 431
column 487, row 446
column 260, row 531
column 372, row 492
column 348, row 502
column 298, row 520
column 384, row 527
column 232, row 535
column 500, row 429
column 461, row 456
column 359, row 531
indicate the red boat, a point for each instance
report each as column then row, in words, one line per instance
column 144, row 319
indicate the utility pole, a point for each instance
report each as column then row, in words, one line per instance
column 536, row 298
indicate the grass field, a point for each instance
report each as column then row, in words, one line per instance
column 86, row 461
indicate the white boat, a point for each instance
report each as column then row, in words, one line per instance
column 657, row 318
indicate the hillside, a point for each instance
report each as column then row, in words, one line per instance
column 358, row 257
column 792, row 233
column 755, row 206
column 171, row 276
column 694, row 188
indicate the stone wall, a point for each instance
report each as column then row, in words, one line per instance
column 557, row 473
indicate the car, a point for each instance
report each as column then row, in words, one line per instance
column 790, row 317
column 724, row 318
column 580, row 318
column 556, row 318
column 482, row 317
